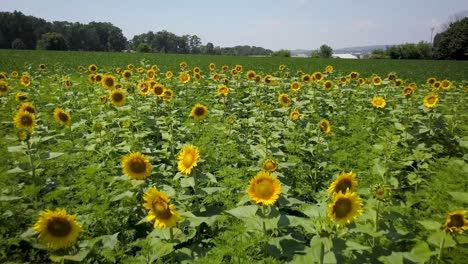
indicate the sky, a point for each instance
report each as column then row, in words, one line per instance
column 271, row 24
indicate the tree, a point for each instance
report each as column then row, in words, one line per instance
column 18, row 44
column 325, row 51
column 453, row 43
column 144, row 48
column 209, row 48
column 52, row 41
column 281, row 53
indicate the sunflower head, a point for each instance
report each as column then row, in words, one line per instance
column 431, row 100
column 108, row 82
column 102, row 99
column 3, row 75
column 318, row 76
column 158, row 90
column 92, row 68
column 270, row 165
column 251, row 75
column 13, row 74
column 399, row 82
column 282, row 67
column 62, row 117
column 431, row 80
column 188, row 159
column 268, row 79
column 42, row 66
column 150, row 74
column 140, row 70
column 325, row 126
column 264, row 188
column 346, row 182
column 57, row 228
column 28, row 107
column 161, row 211
column 130, row 66
column 376, row 80
column 117, row 97
column 136, row 166
column 295, row 86
column 25, row 80
column 239, row 68
column 183, row 65
column 22, row 96
column 284, row 100
column 305, row 78
column 456, row 222
column 223, row 90
column 4, row 88
column 168, row 95
column 197, row 76
column 184, row 77
column 328, row 85
column 215, row 77
column 407, row 91
column 196, row 70
column 329, row 69
column 362, row 81
column 343, row 80
column 258, row 78
column 212, row 66
column 98, row 78
column 169, row 74
column 199, row 112
column 225, row 68
column 446, row 84
column 381, row 192
column 294, row 115
column 127, row 74
column 24, row 120
column 154, row 67
column 379, row 102
column 391, row 76
column 345, row 208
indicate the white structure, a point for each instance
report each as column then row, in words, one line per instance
column 346, row 56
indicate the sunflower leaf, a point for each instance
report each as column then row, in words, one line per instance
column 80, row 256
column 244, row 211
column 460, row 196
column 430, row 225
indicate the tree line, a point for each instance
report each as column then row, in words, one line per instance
column 19, row 31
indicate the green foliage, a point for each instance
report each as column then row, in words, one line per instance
column 325, row 51
column 453, row 42
column 52, row 41
column 281, row 53
column 18, row 44
column 422, row 50
column 144, row 48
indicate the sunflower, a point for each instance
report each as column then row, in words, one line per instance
column 295, row 86
column 294, row 115
column 42, row 66
column 362, row 81
column 457, row 222
column 3, row 75
column 154, row 67
column 158, row 90
column 258, row 78
column 92, row 68
column 354, row 75
column 270, row 165
column 196, row 70
column 98, row 78
column 226, row 81
column 141, row 70
column 68, row 83
column 215, row 77
column 318, row 76
column 376, row 80
column 25, row 80
column 379, row 102
column 328, row 85
column 282, row 67
column 234, row 72
column 343, row 80
column 197, row 76
column 345, row 208
column 4, row 88
column 161, row 211
column 183, row 65
column 431, row 80
column 399, row 82
column 130, row 66
column 412, row 85
column 57, row 228
column 80, row 69
column 346, row 182
column 150, row 74
column 28, row 107
column 127, row 74
column 284, row 100
column 24, row 119
column 92, row 78
column 169, row 75
column 286, row 75
column 431, row 100
column 168, row 95
column 14, row 74
column 22, row 96
column 305, row 78
column 118, row 70
column 437, row 85
column 325, row 126
column 102, row 99
column 446, row 84
column 251, row 75
column 407, row 91
column 199, row 112
column 62, row 117
column 212, row 66
column 225, row 68
column 391, row 76
column 329, row 69
column 299, row 74
column 136, row 166
column 223, row 90
column 117, row 97
column 264, row 188
column 381, row 192
column 184, row 77
column 188, row 159
column 239, row 68
column 108, row 81
column 268, row 79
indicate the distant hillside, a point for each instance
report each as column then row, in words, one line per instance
column 361, row 50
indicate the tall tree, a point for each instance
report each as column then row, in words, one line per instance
column 453, row 43
column 325, row 51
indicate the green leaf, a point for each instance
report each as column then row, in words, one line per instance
column 187, row 182
column 243, row 211
column 460, row 196
column 19, row 148
column 350, row 245
column 394, row 258
column 430, row 225
column 110, row 241
column 80, row 256
column 51, row 155
column 122, row 196
column 9, row 198
column 437, row 237
column 420, row 253
column 15, row 170
column 211, row 190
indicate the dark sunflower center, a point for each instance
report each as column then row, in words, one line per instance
column 98, row 78
column 161, row 209
column 59, row 227
column 264, row 189
column 109, row 82
column 118, row 97
column 3, row 88
column 150, row 74
column 285, row 99
column 23, row 98
column 343, row 185
column 269, row 165
column 324, row 126
column 158, row 90
column 63, row 117
column 328, row 85
column 199, row 111
column 431, row 100
column 353, row 75
column 30, row 109
column 127, row 74
column 342, row 208
column 138, row 165
column 456, row 221
column 26, row 120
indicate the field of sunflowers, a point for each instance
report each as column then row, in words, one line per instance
column 181, row 161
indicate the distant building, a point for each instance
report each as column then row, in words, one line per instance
column 346, row 55
column 300, row 55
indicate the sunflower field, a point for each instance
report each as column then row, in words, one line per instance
column 222, row 162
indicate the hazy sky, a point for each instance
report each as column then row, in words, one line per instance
column 274, row 24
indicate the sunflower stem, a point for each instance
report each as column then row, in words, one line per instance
column 31, row 159
column 171, row 233
column 441, row 247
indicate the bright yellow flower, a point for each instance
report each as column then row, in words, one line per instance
column 264, row 188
